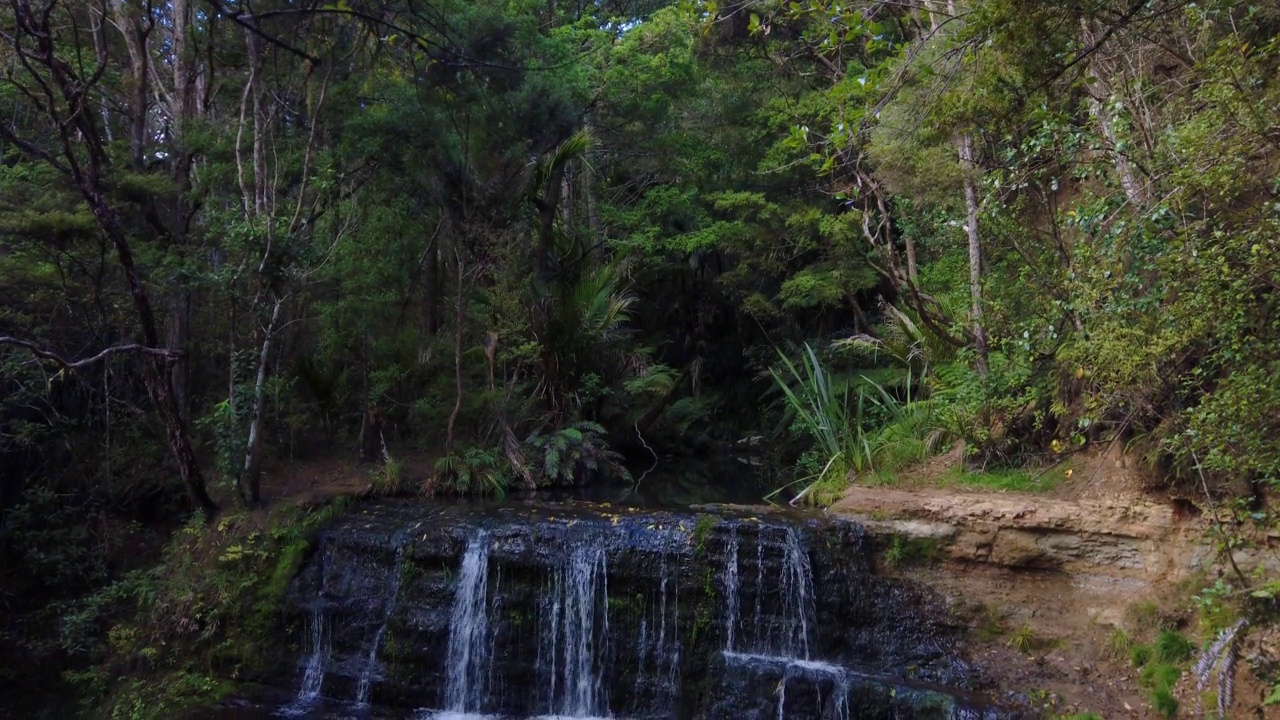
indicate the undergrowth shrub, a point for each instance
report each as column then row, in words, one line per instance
column 207, row 615
column 473, row 471
column 573, row 455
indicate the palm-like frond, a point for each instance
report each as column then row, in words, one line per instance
column 601, row 303
column 576, row 147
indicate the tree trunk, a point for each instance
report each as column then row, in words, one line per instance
column 912, row 271
column 158, row 373
column 590, row 188
column 965, row 145
column 179, row 332
column 135, row 40
column 546, row 228
column 249, row 484
column 1099, row 92
column 431, row 288
column 371, row 440
column 457, row 361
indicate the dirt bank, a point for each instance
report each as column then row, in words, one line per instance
column 1052, row 584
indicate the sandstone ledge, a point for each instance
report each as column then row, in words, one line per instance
column 1127, row 537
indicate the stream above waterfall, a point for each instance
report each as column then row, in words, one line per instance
column 413, row 609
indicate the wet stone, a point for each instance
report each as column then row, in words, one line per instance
column 580, row 610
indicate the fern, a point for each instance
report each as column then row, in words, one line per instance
column 1221, row 655
column 474, row 471
column 574, row 454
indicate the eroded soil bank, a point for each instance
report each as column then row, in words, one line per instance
column 1055, row 585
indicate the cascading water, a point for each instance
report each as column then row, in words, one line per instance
column 781, row 630
column 797, row 594
column 576, row 627
column 667, row 649
column 469, row 659
column 392, row 593
column 731, row 589
column 317, row 660
column 587, row 613
column 313, row 673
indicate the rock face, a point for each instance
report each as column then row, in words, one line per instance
column 1130, row 538
column 584, row 611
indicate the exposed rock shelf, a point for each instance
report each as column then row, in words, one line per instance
column 1131, row 537
column 592, row 611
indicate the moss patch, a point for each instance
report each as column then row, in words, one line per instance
column 182, row 633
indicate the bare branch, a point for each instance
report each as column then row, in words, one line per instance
column 66, row 364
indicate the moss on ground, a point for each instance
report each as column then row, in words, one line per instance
column 182, row 633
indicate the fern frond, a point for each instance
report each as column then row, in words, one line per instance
column 1221, row 655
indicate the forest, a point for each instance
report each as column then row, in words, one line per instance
column 491, row 246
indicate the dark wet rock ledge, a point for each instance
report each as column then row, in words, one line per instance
column 592, row 610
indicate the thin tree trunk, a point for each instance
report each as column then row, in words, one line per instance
column 546, row 227
column 457, row 362
column 965, row 145
column 250, row 487
column 431, row 288
column 1100, row 91
column 135, row 40
column 590, row 187
column 912, row 271
column 157, row 372
column 179, row 332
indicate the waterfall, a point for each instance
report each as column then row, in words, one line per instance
column 389, row 605
column 755, row 622
column 318, row 659
column 785, row 634
column 780, row 632
column 668, row 649
column 782, row 698
column 575, row 608
column 574, row 613
column 837, row 681
column 731, row 589
column 841, row 697
column 313, row 674
column 797, row 594
column 469, row 658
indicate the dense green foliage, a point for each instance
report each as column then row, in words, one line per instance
column 539, row 242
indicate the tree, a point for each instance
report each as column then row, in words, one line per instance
column 70, row 139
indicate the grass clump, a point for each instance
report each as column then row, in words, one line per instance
column 701, row 530
column 1003, row 479
column 1023, row 639
column 895, row 553
column 1119, row 644
column 389, row 479
column 1160, row 675
column 1164, row 703
column 904, row 551
column 1172, row 647
column 1161, row 664
column 990, row 623
column 858, row 428
column 1146, row 618
column 1139, row 655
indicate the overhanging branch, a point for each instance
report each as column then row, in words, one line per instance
column 66, row 364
